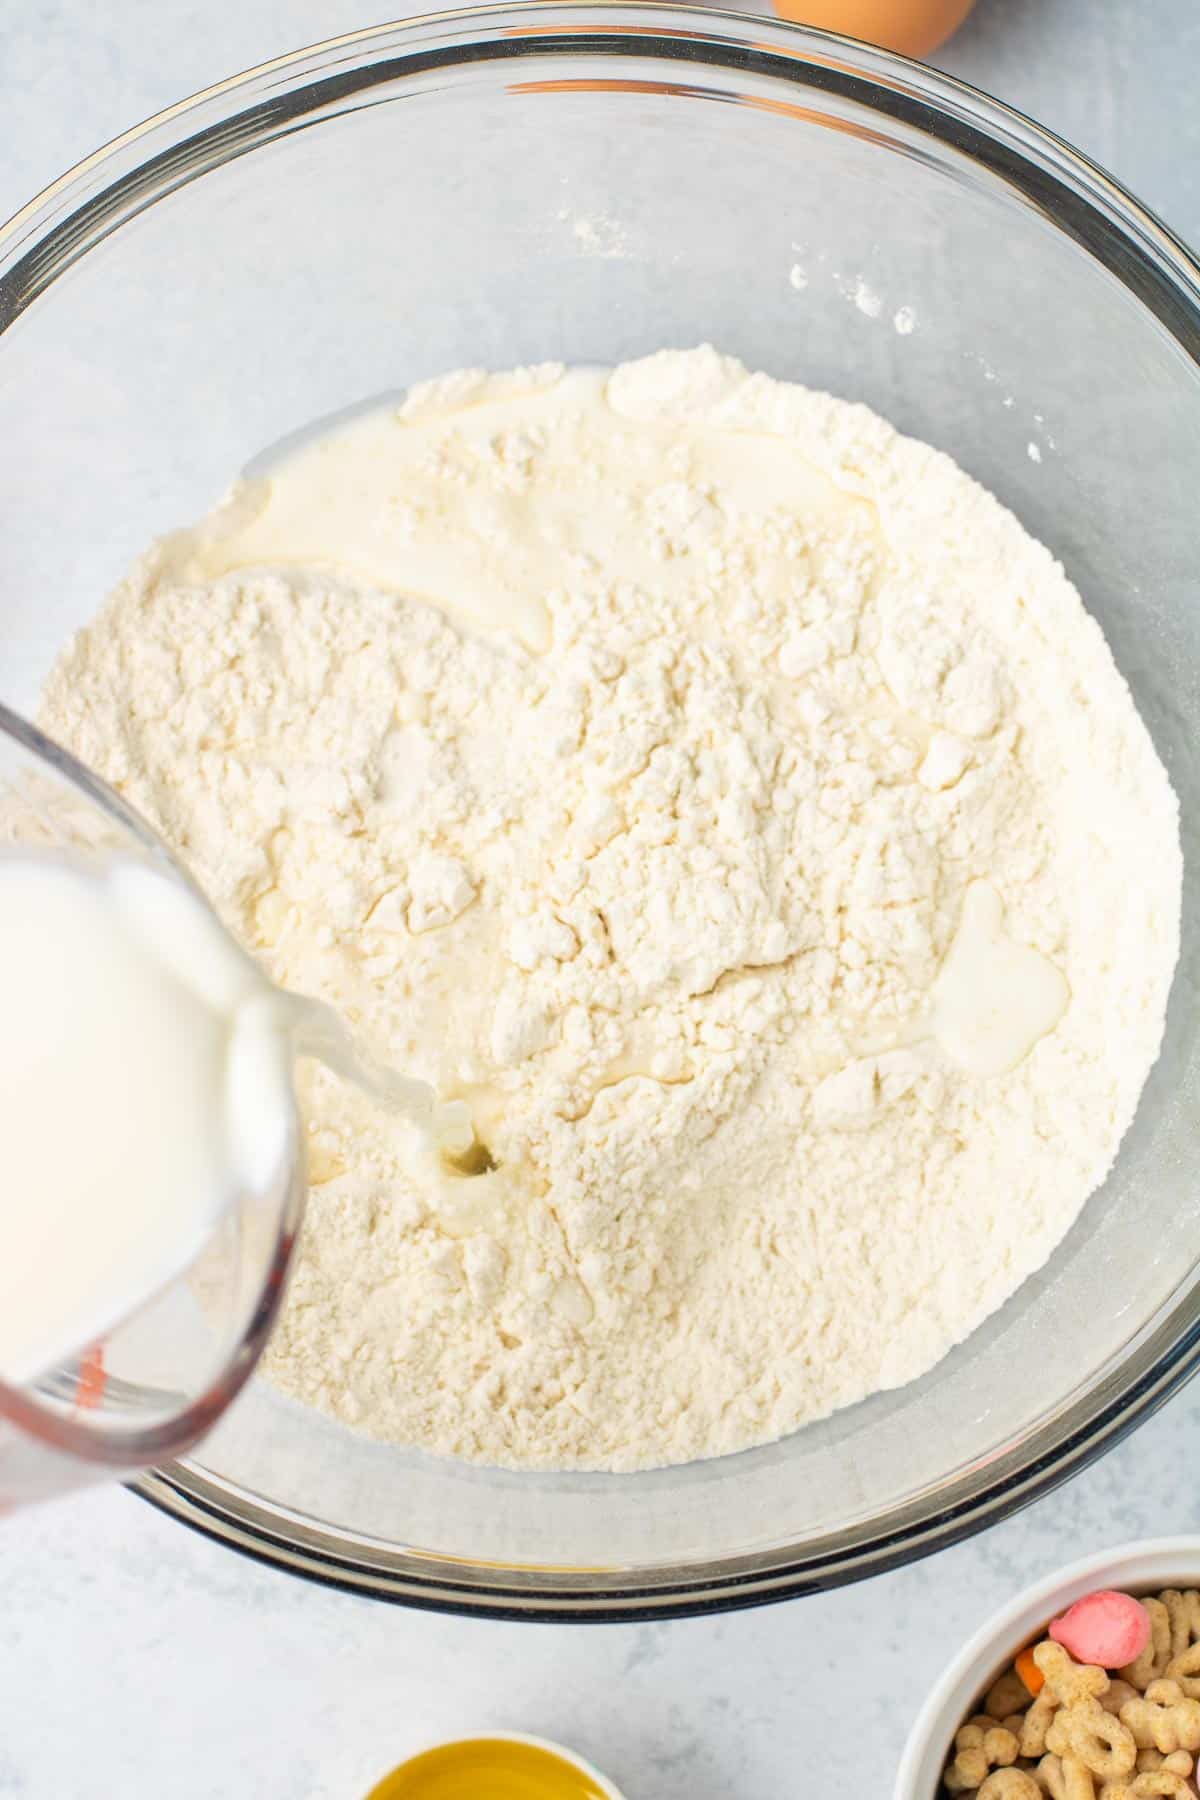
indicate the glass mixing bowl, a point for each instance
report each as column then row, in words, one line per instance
column 589, row 183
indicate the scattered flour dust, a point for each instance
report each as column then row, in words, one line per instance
column 618, row 752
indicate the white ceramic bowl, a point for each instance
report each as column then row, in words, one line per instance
column 1141, row 1568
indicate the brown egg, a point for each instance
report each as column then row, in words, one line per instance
column 914, row 27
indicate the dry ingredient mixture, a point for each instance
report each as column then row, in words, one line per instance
column 726, row 797
column 1060, row 1724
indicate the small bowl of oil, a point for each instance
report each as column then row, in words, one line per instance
column 504, row 1765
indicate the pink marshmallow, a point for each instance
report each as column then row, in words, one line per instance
column 1105, row 1628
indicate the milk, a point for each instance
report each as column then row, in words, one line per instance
column 145, row 1083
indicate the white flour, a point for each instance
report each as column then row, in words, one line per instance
column 648, row 828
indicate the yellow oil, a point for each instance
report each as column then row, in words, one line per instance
column 487, row 1769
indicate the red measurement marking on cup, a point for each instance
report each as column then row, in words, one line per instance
column 89, row 1388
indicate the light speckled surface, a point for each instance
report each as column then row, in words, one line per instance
column 137, row 1659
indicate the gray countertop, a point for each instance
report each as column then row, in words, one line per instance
column 138, row 1659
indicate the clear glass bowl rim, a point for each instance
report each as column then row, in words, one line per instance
column 1085, row 204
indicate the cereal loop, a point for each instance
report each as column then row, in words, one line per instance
column 1000, row 1746
column 966, row 1771
column 1105, row 1745
column 1160, row 1782
column 1184, row 1667
column 1011, row 1784
column 1038, row 1720
column 1163, row 1719
column 1152, row 1663
column 1183, row 1611
column 1065, row 1778
column 1177, row 1762
column 1070, row 1682
column 979, row 1745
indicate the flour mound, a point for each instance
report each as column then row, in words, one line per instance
column 617, row 752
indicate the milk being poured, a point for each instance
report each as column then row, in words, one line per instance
column 145, row 1084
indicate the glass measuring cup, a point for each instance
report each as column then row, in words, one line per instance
column 158, row 1380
